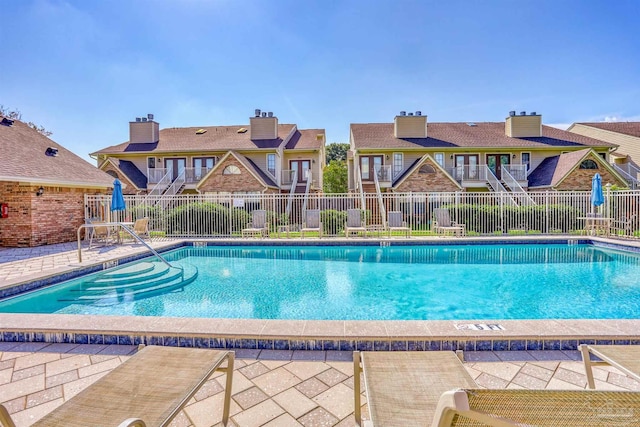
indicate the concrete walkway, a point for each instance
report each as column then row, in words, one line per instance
column 270, row 388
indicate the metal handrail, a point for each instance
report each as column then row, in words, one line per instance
column 128, row 230
column 516, row 188
column 383, row 214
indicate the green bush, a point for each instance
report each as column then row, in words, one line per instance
column 206, row 219
column 333, row 221
column 491, row 219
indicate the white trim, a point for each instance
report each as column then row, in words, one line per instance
column 393, row 164
column 53, row 182
column 444, row 159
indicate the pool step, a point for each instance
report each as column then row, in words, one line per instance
column 105, row 291
column 156, row 270
column 129, row 270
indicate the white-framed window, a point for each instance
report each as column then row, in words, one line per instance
column 525, row 159
column 271, row 163
column 231, row 170
column 398, row 164
column 439, row 158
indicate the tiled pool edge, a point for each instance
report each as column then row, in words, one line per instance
column 262, row 335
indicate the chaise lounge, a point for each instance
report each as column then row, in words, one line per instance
column 624, row 357
column 149, row 389
column 443, row 225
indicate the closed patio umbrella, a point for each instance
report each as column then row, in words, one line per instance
column 117, row 199
column 597, row 197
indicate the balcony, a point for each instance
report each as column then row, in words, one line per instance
column 191, row 175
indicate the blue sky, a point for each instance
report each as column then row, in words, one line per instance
column 84, row 69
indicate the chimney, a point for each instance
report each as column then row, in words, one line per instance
column 264, row 125
column 410, row 125
column 523, row 125
column 144, row 130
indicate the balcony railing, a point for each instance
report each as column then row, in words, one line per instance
column 288, row 176
column 476, row 173
column 518, row 172
column 384, row 174
column 191, row 175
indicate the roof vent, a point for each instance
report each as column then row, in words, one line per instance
column 149, row 117
column 403, row 113
column 241, row 130
column 264, row 114
column 144, row 119
column 523, row 113
column 409, row 114
column 7, row 122
column 257, row 112
column 201, row 131
column 319, row 137
column 533, row 113
column 418, row 113
column 138, row 119
column 472, row 124
column 270, row 114
column 512, row 113
column 51, row 151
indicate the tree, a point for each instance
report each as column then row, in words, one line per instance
column 335, row 177
column 337, row 151
column 17, row 115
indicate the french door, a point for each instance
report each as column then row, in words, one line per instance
column 495, row 162
column 176, row 166
column 301, row 167
column 368, row 165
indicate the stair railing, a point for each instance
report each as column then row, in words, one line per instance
column 383, row 215
column 496, row 185
column 516, row 189
column 159, row 188
column 292, row 191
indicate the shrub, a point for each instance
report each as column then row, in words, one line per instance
column 333, row 221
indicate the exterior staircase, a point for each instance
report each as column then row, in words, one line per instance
column 131, row 282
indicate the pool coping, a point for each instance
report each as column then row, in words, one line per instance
column 348, row 335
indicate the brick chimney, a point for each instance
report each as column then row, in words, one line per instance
column 522, row 125
column 264, row 125
column 144, row 129
column 410, row 125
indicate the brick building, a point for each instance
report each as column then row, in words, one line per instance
column 42, row 187
column 517, row 155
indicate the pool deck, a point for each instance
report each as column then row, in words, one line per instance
column 310, row 383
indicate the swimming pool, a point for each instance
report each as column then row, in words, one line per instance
column 383, row 283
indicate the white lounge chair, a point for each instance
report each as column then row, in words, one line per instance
column 624, row 357
column 396, row 223
column 258, row 225
column 443, row 225
column 311, row 223
column 354, row 223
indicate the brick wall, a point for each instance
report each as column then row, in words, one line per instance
column 580, row 179
column 35, row 220
column 418, row 182
column 245, row 181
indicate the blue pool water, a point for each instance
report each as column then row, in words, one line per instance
column 396, row 282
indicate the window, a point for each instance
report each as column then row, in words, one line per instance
column 427, row 169
column 151, row 162
column 603, row 155
column 588, row 164
column 202, row 165
column 231, row 170
column 398, row 164
column 526, row 160
column 439, row 158
column 271, row 164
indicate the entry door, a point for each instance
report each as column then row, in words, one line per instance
column 495, row 163
column 175, row 166
column 368, row 165
column 466, row 166
column 301, row 167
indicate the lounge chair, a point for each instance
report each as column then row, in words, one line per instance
column 258, row 225
column 426, row 388
column 101, row 233
column 508, row 408
column 311, row 223
column 354, row 223
column 141, row 227
column 624, row 357
column 403, row 387
column 396, row 223
column 625, row 226
column 444, row 226
column 149, row 389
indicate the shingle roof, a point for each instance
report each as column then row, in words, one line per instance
column 461, row 135
column 23, row 158
column 552, row 169
column 217, row 138
column 132, row 172
column 626, row 128
column 306, row 139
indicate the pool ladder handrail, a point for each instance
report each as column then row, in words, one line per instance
column 131, row 233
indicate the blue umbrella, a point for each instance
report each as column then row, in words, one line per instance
column 597, row 197
column 117, row 199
